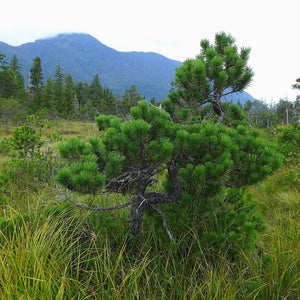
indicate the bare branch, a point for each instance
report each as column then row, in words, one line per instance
column 97, row 208
column 164, row 218
column 192, row 122
column 132, row 179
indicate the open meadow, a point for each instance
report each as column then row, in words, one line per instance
column 50, row 249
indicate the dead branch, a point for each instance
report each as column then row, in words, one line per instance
column 164, row 218
column 82, row 206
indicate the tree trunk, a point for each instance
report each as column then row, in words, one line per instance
column 219, row 110
column 270, row 126
column 136, row 216
column 144, row 200
column 287, row 116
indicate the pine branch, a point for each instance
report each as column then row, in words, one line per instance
column 164, row 218
column 130, row 180
column 82, row 206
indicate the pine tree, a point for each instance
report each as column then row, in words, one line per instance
column 197, row 160
column 36, row 83
column 19, row 92
column 110, row 102
column 96, row 94
column 130, row 98
column 68, row 97
column 59, row 78
column 7, row 82
column 2, row 61
column 219, row 70
column 81, row 90
column 14, row 64
column 48, row 94
column 8, row 85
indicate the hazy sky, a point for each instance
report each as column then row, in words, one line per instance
column 173, row 28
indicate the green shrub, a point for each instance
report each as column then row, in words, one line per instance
column 27, row 142
column 289, row 141
column 5, row 145
column 203, row 166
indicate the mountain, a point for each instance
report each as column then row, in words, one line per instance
column 241, row 98
column 83, row 56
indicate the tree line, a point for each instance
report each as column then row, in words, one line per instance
column 58, row 96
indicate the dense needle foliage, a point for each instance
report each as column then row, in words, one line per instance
column 194, row 175
column 50, row 249
column 220, row 69
column 196, row 160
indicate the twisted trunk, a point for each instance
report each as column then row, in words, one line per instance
column 144, row 200
column 219, row 110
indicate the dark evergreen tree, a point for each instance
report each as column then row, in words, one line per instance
column 7, row 82
column 110, row 102
column 81, row 93
column 58, row 84
column 219, row 70
column 2, row 61
column 14, row 64
column 20, row 92
column 68, row 97
column 48, row 94
column 8, row 85
column 36, row 83
column 96, row 94
column 130, row 98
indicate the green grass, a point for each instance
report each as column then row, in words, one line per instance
column 51, row 250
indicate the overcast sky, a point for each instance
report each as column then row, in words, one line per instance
column 174, row 29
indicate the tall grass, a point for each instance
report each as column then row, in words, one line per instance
column 35, row 259
column 52, row 250
column 280, row 264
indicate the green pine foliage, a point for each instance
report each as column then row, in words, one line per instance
column 26, row 141
column 73, row 148
column 60, row 251
column 220, row 69
column 233, row 222
column 213, row 163
column 198, row 194
column 289, row 140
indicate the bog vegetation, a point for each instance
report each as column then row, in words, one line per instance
column 106, row 198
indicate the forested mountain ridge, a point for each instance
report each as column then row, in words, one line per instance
column 83, row 56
